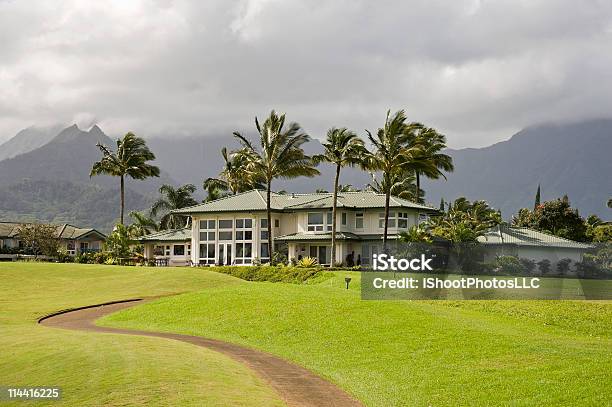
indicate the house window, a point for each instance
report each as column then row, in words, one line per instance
column 244, row 237
column 318, row 223
column 315, row 222
column 207, row 230
column 264, row 250
column 158, row 250
column 207, row 241
column 244, row 252
column 188, row 250
column 167, row 251
column 359, row 221
column 226, row 234
column 381, row 220
column 423, row 217
column 179, row 250
column 276, row 223
column 402, row 220
column 343, row 218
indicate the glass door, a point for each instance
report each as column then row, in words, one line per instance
column 225, row 254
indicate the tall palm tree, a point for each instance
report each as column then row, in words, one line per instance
column 342, row 148
column 235, row 176
column 173, row 198
column 401, row 185
column 391, row 152
column 280, row 155
column 142, row 224
column 430, row 161
column 130, row 160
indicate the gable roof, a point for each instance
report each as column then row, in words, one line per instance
column 504, row 234
column 65, row 231
column 255, row 200
column 172, row 235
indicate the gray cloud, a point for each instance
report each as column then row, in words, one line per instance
column 477, row 70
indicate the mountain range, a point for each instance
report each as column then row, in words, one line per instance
column 47, row 178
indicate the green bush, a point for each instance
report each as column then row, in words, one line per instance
column 509, row 265
column 563, row 266
column 64, row 257
column 275, row 274
column 528, row 264
column 544, row 266
column 307, row 262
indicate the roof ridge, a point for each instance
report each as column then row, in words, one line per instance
column 545, row 233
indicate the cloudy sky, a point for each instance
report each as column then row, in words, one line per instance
column 477, row 70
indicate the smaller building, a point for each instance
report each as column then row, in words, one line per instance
column 170, row 247
column 504, row 240
column 73, row 239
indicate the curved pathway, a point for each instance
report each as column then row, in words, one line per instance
column 296, row 385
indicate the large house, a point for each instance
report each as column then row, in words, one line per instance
column 234, row 229
column 73, row 239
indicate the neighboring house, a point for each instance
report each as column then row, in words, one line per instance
column 72, row 239
column 527, row 243
column 173, row 245
column 234, row 230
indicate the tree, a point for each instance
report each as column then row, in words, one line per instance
column 401, row 185
column 556, row 217
column 40, row 238
column 464, row 221
column 173, row 198
column 391, row 152
column 141, row 224
column 416, row 234
column 442, row 207
column 118, row 242
column 235, row 176
column 429, row 160
column 280, row 155
column 610, row 203
column 537, row 199
column 342, row 148
column 130, row 160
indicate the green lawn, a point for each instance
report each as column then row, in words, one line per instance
column 112, row 370
column 384, row 352
column 408, row 352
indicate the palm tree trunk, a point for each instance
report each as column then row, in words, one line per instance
column 387, row 200
column 122, row 199
column 269, row 214
column 335, row 204
column 418, row 187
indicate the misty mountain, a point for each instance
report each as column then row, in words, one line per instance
column 27, row 140
column 52, row 183
column 572, row 159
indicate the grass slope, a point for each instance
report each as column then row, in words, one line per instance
column 407, row 352
column 112, row 370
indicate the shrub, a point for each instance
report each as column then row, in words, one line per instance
column 307, row 262
column 509, row 265
column 528, row 264
column 100, row 257
column 275, row 274
column 544, row 266
column 279, row 258
column 563, row 266
column 64, row 257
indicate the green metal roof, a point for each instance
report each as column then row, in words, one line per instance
column 172, row 235
column 255, row 200
column 504, row 234
column 65, row 231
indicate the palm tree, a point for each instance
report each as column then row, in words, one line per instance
column 142, row 224
column 342, row 148
column 280, row 156
column 430, row 161
column 610, row 203
column 401, row 185
column 130, row 160
column 173, row 198
column 391, row 153
column 235, row 176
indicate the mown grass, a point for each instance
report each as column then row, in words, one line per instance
column 96, row 369
column 407, row 352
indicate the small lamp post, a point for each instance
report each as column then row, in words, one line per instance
column 347, row 280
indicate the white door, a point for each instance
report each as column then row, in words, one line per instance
column 225, row 254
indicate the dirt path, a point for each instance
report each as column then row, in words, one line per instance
column 296, row 385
